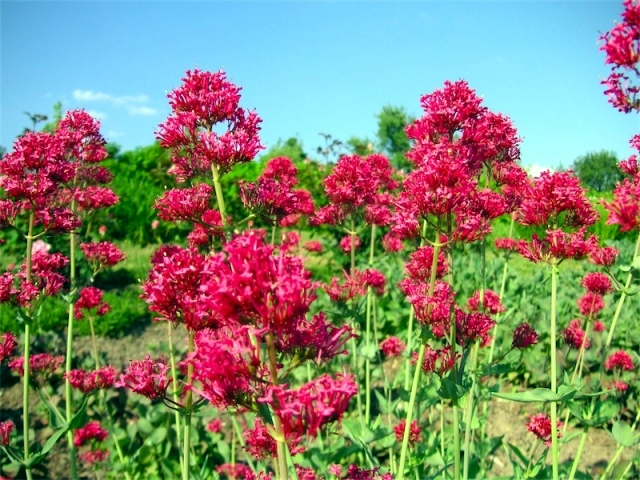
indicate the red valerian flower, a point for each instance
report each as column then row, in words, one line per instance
column 590, row 304
column 433, row 310
column 7, row 346
column 227, row 365
column 622, row 47
column 420, row 262
column 473, row 326
column 604, row 256
column 598, row 326
column 41, row 364
column 415, row 432
column 597, row 282
column 90, row 297
column 346, row 243
column 91, row 431
column 313, row 246
column 259, row 442
column 558, row 244
column 524, row 336
column 184, row 204
column 439, row 361
column 624, row 210
column 199, row 105
column 540, row 426
column 619, row 360
column 94, row 456
column 391, row 243
column 89, row 382
column 145, row 377
column 235, row 471
column 556, row 200
column 6, row 428
column 102, row 254
column 214, row 426
column 93, row 197
column 81, row 138
column 392, row 346
column 356, row 473
column 491, row 302
column 318, row 402
column 575, row 336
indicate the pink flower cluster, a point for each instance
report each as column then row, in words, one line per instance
column 622, row 48
column 89, row 382
column 415, row 432
column 392, row 347
column 540, row 426
column 203, row 104
column 7, row 346
column 145, row 377
column 272, row 196
column 41, row 364
column 620, row 360
column 90, row 298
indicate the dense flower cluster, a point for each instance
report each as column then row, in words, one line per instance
column 540, row 426
column 145, row 377
column 102, row 254
column 41, row 364
column 89, row 382
column 491, row 303
column 439, row 361
column 619, row 360
column 7, row 346
column 415, row 433
column 575, row 336
column 6, row 428
column 91, row 431
column 622, row 48
column 624, row 209
column 272, row 196
column 90, row 298
column 203, row 102
column 392, row 347
column 524, row 336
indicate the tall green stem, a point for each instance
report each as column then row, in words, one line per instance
column 367, row 361
column 27, row 346
column 623, row 296
column 554, row 376
column 418, row 369
column 187, row 416
column 280, row 440
column 576, row 461
column 174, row 385
column 219, row 197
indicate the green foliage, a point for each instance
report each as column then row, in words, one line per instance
column 360, row 146
column 598, row 170
column 391, row 135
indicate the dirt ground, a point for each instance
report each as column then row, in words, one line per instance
column 505, row 418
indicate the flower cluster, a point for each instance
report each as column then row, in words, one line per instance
column 145, row 377
column 415, row 433
column 203, row 102
column 7, row 346
column 620, row 360
column 89, row 382
column 622, row 48
column 90, row 298
column 540, row 426
column 392, row 347
column 102, row 254
column 41, row 364
column 6, row 428
column 272, row 197
column 624, row 209
column 91, row 431
column 524, row 336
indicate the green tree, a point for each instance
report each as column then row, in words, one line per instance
column 291, row 148
column 360, row 146
column 392, row 138
column 598, row 170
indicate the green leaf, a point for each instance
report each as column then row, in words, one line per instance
column 37, row 458
column 529, row 396
column 623, row 434
column 636, row 263
column 451, row 390
column 499, row 369
column 265, row 413
column 80, row 418
column 368, row 351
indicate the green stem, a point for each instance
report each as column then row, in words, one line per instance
column 277, row 423
column 240, row 438
column 407, row 370
column 187, row 415
column 583, row 439
column 552, row 353
column 619, row 450
column 418, row 369
column 623, row 296
column 367, row 361
column 468, row 414
column 219, row 197
column 27, row 345
column 174, row 382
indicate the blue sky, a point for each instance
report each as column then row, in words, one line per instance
column 311, row 67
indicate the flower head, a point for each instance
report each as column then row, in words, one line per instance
column 145, row 377
column 6, row 428
column 7, row 346
column 91, row 431
column 415, row 433
column 524, row 336
column 619, row 360
column 392, row 346
column 540, row 426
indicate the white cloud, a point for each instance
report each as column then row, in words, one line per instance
column 142, row 110
column 134, row 104
column 97, row 114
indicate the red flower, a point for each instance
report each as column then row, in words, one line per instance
column 102, row 254
column 91, row 431
column 415, row 433
column 313, row 246
column 392, row 347
column 540, row 426
column 491, row 302
column 440, row 361
column 597, row 283
column 420, row 262
column 346, row 242
column 89, row 382
column 624, row 210
column 7, row 346
column 203, row 101
column 145, row 377
column 41, row 364
column 575, row 336
column 90, row 297
column 472, row 326
column 184, row 204
column 619, row 360
column 590, row 304
column 524, row 336
column 6, row 428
